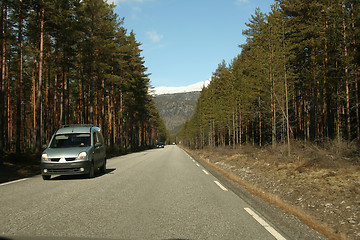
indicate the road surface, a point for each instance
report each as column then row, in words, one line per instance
column 155, row 194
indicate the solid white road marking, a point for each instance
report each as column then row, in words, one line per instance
column 7, row 183
column 205, row 172
column 220, row 186
column 262, row 222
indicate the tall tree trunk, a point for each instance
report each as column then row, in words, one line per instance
column 240, row 127
column 110, row 117
column 33, row 102
column 3, row 28
column 348, row 120
column 121, row 125
column 213, row 134
column 328, row 115
column 102, row 118
column 62, row 98
column 273, row 110
column 91, row 73
column 260, row 123
column 38, row 98
column 67, row 115
column 286, row 98
column 19, row 81
column 356, row 72
column 272, row 94
column 233, row 129
column 338, row 123
column 56, row 122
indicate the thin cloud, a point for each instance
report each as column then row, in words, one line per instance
column 135, row 11
column 154, row 36
column 240, row 2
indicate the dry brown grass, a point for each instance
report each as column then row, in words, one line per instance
column 318, row 184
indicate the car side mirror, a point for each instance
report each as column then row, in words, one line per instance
column 44, row 146
column 98, row 144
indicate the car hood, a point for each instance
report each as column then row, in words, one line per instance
column 65, row 152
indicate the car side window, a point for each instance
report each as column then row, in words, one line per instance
column 95, row 138
column 100, row 138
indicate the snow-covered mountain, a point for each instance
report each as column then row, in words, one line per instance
column 191, row 88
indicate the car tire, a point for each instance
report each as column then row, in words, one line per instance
column 91, row 171
column 103, row 167
column 46, row 177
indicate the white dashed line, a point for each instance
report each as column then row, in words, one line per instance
column 262, row 222
column 221, row 186
column 205, row 172
column 198, row 165
column 7, row 183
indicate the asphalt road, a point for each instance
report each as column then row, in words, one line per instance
column 156, row 194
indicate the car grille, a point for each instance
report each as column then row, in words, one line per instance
column 64, row 170
column 58, row 159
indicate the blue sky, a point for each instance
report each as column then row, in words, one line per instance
column 183, row 41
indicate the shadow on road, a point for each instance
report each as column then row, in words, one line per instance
column 80, row 177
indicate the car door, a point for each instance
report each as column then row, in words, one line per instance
column 98, row 149
column 102, row 153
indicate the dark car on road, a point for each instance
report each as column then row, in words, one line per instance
column 160, row 145
column 74, row 149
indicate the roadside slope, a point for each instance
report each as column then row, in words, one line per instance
column 321, row 187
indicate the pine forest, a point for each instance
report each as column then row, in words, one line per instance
column 72, row 62
column 297, row 77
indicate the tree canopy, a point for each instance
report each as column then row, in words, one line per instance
column 297, row 76
column 71, row 62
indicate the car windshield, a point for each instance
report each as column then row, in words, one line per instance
column 71, row 140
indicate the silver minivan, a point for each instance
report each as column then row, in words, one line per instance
column 74, row 149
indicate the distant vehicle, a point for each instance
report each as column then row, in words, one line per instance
column 74, row 149
column 160, row 145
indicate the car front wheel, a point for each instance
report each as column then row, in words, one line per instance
column 46, row 177
column 91, row 171
column 103, row 167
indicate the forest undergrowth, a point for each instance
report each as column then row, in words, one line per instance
column 15, row 166
column 318, row 184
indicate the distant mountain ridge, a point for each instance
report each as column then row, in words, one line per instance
column 176, row 108
column 196, row 87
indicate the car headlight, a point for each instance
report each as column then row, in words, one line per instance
column 81, row 156
column 44, row 157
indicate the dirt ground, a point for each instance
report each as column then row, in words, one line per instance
column 320, row 185
column 14, row 166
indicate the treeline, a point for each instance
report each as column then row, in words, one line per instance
column 70, row 62
column 297, row 77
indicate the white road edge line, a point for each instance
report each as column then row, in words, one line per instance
column 262, row 222
column 7, row 183
column 221, row 186
column 205, row 172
